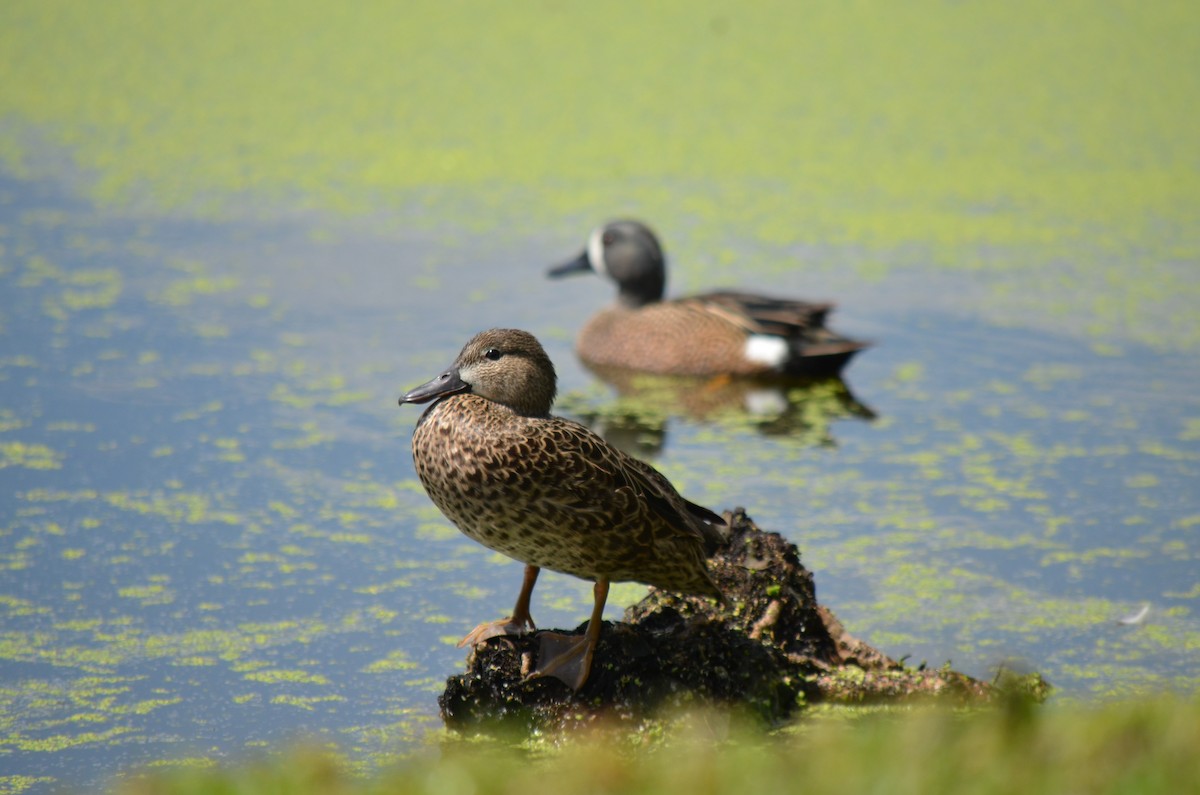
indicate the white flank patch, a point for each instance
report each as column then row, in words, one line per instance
column 595, row 251
column 764, row 349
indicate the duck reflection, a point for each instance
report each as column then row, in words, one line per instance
column 637, row 421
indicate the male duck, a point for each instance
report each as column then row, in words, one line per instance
column 550, row 493
column 723, row 332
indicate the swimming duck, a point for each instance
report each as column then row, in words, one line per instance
column 717, row 333
column 548, row 492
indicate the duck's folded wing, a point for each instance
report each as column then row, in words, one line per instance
column 604, row 472
column 762, row 314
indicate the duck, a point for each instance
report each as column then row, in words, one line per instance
column 719, row 333
column 549, row 493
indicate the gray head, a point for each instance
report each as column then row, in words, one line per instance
column 628, row 253
column 504, row 365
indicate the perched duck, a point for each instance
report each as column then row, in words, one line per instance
column 550, row 493
column 717, row 333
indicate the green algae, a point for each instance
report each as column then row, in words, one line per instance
column 151, row 594
column 891, row 137
column 29, row 456
column 61, row 742
column 304, row 702
column 15, row 785
column 277, row 676
column 397, row 660
column 184, row 291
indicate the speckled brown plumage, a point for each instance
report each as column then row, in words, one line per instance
column 704, row 334
column 545, row 490
column 548, row 492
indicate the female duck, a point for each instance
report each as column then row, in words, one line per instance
column 548, row 492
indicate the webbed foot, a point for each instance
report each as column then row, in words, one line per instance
column 568, row 658
column 495, row 629
column 519, row 623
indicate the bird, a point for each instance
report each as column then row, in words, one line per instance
column 546, row 491
column 720, row 333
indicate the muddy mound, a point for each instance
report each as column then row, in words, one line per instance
column 769, row 651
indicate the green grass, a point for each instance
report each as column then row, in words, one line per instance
column 1126, row 747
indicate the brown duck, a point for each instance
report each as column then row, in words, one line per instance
column 550, row 493
column 717, row 333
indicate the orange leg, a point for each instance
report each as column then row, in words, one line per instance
column 568, row 658
column 518, row 623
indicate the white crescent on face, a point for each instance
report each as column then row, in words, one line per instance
column 595, row 251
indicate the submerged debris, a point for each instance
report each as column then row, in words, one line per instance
column 769, row 651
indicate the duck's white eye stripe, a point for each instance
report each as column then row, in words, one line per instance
column 595, row 251
column 765, row 349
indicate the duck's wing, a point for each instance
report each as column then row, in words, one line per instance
column 762, row 314
column 680, row 512
column 602, row 470
column 815, row 349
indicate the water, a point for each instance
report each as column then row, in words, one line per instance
column 214, row 541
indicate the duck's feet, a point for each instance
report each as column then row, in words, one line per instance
column 568, row 658
column 495, row 629
column 519, row 623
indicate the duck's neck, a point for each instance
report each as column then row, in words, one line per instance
column 643, row 293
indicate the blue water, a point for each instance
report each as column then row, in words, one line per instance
column 213, row 541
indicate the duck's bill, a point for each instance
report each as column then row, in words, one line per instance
column 448, row 383
column 578, row 265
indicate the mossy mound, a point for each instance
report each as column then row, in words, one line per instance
column 769, row 651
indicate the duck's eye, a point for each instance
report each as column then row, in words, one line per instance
column 493, row 353
column 608, row 238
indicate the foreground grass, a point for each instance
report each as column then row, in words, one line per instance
column 1143, row 747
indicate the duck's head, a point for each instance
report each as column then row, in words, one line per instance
column 628, row 253
column 504, row 365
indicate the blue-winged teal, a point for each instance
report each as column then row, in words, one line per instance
column 550, row 493
column 716, row 333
